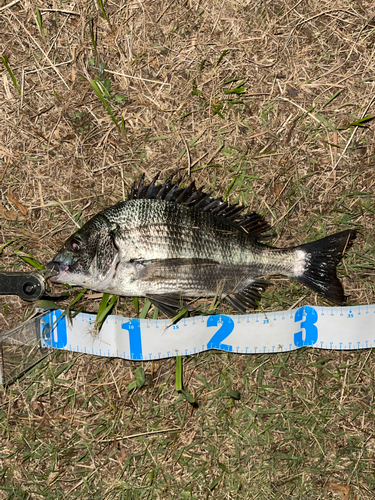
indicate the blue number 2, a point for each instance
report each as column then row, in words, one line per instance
column 226, row 328
column 308, row 317
column 135, row 340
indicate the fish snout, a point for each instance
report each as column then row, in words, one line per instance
column 56, row 269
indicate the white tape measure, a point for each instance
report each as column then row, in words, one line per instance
column 134, row 339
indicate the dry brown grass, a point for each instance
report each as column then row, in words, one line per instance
column 295, row 158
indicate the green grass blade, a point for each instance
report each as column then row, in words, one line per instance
column 123, row 126
column 216, row 110
column 237, row 90
column 220, row 58
column 39, row 21
column 188, row 397
column 359, row 123
column 229, row 188
column 136, row 304
column 214, row 483
column 156, row 313
column 160, row 138
column 67, row 311
column 5, row 62
column 179, row 385
column 97, row 91
column 234, row 394
column 196, row 139
column 30, row 260
column 103, row 304
column 145, row 309
column 178, row 316
column 140, row 377
column 93, row 35
column 101, row 5
column 104, row 309
column 136, row 59
column 195, row 90
column 331, row 98
column 235, row 79
column 6, row 244
column 79, row 296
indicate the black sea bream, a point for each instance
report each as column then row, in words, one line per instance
column 169, row 243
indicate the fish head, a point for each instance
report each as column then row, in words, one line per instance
column 89, row 257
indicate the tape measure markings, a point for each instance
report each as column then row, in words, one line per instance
column 281, row 331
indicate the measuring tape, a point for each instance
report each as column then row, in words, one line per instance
column 146, row 339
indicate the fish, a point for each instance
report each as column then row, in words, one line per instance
column 174, row 244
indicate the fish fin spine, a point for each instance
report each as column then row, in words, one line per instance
column 190, row 196
column 249, row 297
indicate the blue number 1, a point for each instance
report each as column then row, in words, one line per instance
column 308, row 317
column 226, row 328
column 135, row 340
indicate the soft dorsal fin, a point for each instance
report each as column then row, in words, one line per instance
column 190, row 196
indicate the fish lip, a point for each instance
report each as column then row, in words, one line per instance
column 58, row 270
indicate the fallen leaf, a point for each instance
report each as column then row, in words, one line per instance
column 68, row 137
column 344, row 488
column 18, row 204
column 7, row 214
column 5, row 169
column 277, row 189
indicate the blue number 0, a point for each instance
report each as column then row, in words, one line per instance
column 54, row 330
column 308, row 317
column 135, row 340
column 226, row 328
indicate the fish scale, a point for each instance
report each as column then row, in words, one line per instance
column 181, row 232
column 169, row 243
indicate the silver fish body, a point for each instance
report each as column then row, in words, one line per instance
column 165, row 249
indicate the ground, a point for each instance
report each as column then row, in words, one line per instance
column 268, row 104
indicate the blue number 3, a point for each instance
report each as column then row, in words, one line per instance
column 308, row 317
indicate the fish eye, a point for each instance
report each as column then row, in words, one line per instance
column 75, row 246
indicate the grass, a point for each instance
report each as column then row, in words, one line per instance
column 269, row 440
column 98, row 88
column 11, row 74
column 267, row 105
column 105, row 307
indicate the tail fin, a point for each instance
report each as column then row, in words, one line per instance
column 322, row 257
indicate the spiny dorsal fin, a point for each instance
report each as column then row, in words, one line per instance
column 190, row 196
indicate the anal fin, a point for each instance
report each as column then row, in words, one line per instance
column 249, row 297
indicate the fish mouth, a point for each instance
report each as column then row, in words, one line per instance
column 58, row 271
